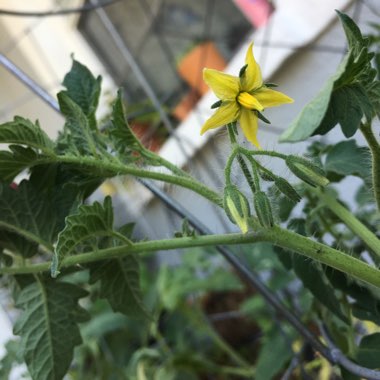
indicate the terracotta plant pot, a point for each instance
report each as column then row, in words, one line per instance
column 185, row 105
column 150, row 140
column 191, row 65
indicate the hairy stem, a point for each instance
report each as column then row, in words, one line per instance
column 276, row 235
column 375, row 151
column 355, row 225
column 117, row 168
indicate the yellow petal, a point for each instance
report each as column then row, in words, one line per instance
column 225, row 86
column 249, row 102
column 249, row 124
column 271, row 98
column 226, row 113
column 252, row 78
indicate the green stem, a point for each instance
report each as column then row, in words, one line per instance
column 262, row 153
column 227, row 170
column 117, row 168
column 243, row 166
column 163, row 162
column 355, row 225
column 276, row 235
column 375, row 151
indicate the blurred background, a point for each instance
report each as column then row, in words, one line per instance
column 155, row 51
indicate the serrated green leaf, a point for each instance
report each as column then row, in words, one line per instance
column 373, row 91
column 273, row 356
column 17, row 244
column 102, row 324
column 124, row 139
column 354, row 36
column 345, row 98
column 23, row 131
column 313, row 113
column 84, row 89
column 86, row 231
column 347, row 158
column 120, row 285
column 80, row 133
column 368, row 354
column 15, row 161
column 48, row 326
column 313, row 279
column 366, row 305
column 347, row 107
column 25, row 213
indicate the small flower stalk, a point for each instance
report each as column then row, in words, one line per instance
column 241, row 98
column 236, row 207
column 307, row 171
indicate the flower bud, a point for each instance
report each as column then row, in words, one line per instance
column 237, row 207
column 287, row 189
column 263, row 209
column 306, row 171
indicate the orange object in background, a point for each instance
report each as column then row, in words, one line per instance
column 185, row 105
column 191, row 66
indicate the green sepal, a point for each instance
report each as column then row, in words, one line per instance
column 242, row 70
column 216, row 104
column 262, row 117
column 267, row 175
column 287, row 189
column 263, row 209
column 271, row 85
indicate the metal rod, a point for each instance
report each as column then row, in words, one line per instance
column 30, row 83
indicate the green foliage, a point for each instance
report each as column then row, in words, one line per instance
column 33, row 146
column 84, row 90
column 368, row 354
column 85, row 231
column 124, row 138
column 348, row 96
column 30, row 219
column 120, row 285
column 48, row 326
column 273, row 355
column 347, row 158
column 23, row 131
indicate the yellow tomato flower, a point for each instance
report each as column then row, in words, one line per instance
column 241, row 98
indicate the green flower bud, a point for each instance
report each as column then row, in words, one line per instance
column 237, row 207
column 263, row 209
column 287, row 189
column 307, row 171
